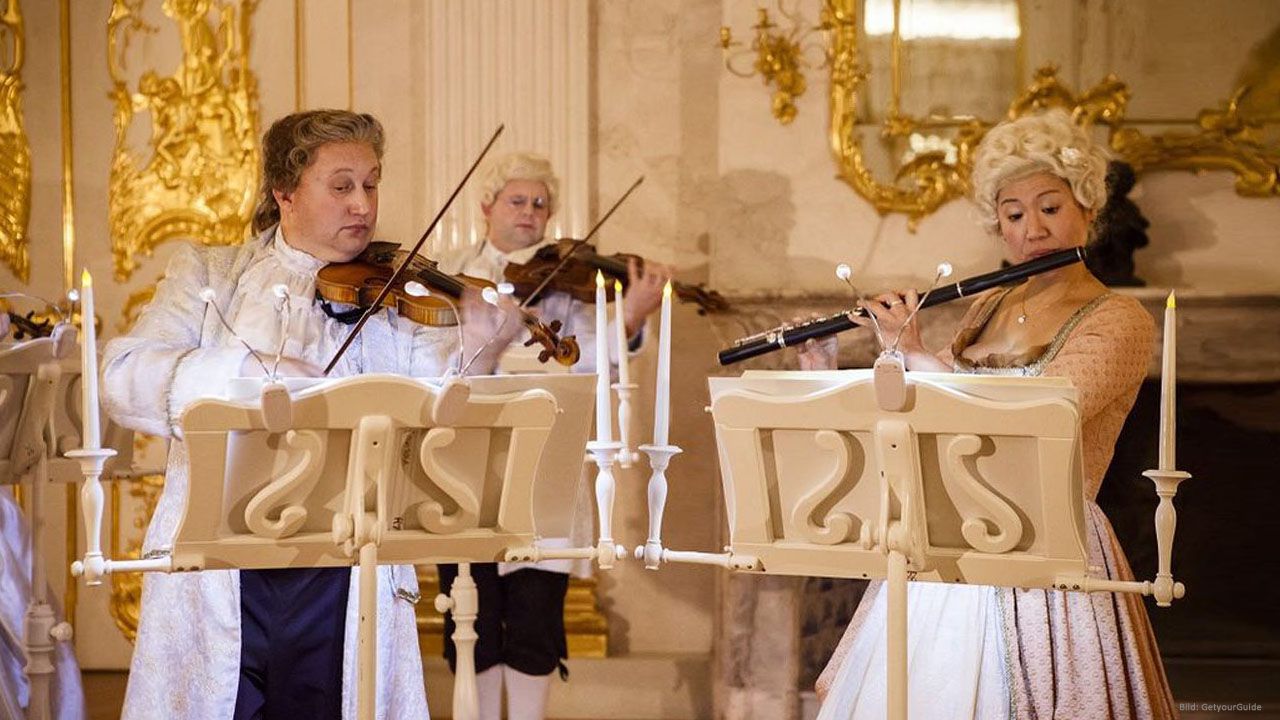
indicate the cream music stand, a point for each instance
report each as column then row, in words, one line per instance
column 40, row 419
column 943, row 478
column 376, row 469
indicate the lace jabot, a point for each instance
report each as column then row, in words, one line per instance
column 292, row 259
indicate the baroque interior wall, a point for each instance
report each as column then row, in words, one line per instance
column 795, row 220
column 731, row 197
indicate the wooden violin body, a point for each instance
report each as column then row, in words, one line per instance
column 578, row 276
column 360, row 281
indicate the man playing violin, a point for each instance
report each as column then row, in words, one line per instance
column 521, row 618
column 270, row 643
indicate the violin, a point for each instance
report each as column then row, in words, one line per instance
column 577, row 277
column 362, row 280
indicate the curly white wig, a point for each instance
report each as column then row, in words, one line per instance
column 1048, row 142
column 518, row 166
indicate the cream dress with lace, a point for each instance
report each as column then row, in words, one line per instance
column 987, row 652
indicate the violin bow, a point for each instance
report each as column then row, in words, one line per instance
column 579, row 243
column 377, row 303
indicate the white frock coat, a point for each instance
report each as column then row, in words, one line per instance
column 186, row 661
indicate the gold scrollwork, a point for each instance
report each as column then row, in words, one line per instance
column 200, row 180
column 1226, row 141
column 15, row 149
column 924, row 183
column 1227, row 138
column 778, row 59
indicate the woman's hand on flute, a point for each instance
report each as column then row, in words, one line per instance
column 892, row 310
column 818, row 353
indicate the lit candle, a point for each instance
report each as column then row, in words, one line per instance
column 662, row 396
column 604, row 418
column 624, row 372
column 90, row 432
column 1168, row 386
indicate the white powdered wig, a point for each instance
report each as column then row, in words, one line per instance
column 1048, row 142
column 518, row 166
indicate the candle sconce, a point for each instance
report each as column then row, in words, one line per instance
column 779, row 57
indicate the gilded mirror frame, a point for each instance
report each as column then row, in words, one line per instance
column 1224, row 138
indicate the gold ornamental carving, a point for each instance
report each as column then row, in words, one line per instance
column 1226, row 138
column 200, row 179
column 15, row 149
column 922, row 184
column 777, row 56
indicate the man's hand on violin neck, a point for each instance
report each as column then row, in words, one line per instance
column 644, row 292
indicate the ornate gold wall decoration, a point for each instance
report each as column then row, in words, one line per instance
column 200, row 180
column 1226, row 141
column 1229, row 137
column 15, row 150
column 777, row 57
column 921, row 185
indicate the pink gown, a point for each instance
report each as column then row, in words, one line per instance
column 1031, row 654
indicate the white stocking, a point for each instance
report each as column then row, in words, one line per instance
column 489, row 690
column 526, row 695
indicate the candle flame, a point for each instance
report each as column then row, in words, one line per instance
column 617, row 286
column 666, row 290
column 599, row 279
column 1171, row 303
column 86, row 280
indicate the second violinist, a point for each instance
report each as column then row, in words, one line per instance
column 521, row 619
column 519, row 193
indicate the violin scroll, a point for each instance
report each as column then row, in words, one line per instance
column 564, row 350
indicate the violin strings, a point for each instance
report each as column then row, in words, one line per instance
column 579, row 243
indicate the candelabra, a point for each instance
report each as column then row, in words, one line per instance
column 778, row 56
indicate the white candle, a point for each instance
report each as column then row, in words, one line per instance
column 662, row 396
column 91, row 434
column 1168, row 387
column 604, row 418
column 624, row 372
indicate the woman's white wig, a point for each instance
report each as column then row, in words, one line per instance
column 1047, row 142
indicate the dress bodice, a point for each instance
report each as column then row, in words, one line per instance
column 1028, row 364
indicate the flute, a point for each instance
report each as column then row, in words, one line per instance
column 788, row 335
